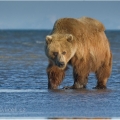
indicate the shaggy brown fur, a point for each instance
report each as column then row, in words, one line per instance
column 55, row 76
column 83, row 44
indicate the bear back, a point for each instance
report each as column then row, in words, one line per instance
column 83, row 27
column 67, row 25
column 92, row 24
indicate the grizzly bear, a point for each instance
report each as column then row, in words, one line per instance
column 82, row 44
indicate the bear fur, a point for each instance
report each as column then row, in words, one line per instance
column 82, row 44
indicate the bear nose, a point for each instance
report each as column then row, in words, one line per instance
column 61, row 64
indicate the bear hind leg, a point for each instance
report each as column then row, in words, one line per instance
column 102, row 75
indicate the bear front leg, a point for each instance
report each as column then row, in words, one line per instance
column 81, row 71
column 80, row 78
column 80, row 75
column 55, row 76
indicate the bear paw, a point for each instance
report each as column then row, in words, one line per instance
column 100, row 87
column 74, row 87
column 68, row 87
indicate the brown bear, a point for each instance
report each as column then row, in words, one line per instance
column 82, row 44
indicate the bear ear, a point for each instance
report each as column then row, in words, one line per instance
column 48, row 39
column 69, row 37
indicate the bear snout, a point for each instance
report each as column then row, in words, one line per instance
column 61, row 64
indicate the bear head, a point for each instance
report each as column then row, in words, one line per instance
column 60, row 48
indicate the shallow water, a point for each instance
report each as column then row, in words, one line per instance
column 23, row 81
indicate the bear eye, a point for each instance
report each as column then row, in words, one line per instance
column 55, row 53
column 64, row 53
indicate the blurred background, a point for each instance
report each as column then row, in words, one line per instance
column 43, row 14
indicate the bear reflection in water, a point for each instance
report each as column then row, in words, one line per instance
column 82, row 43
